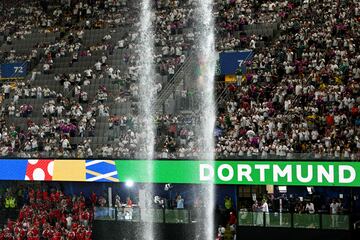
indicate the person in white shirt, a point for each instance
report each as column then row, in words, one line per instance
column 66, row 85
column 68, row 222
column 11, row 110
column 46, row 68
column 103, row 59
column 7, row 88
column 89, row 152
column 121, row 43
column 310, row 208
column 98, row 66
column 8, row 40
column 334, row 211
column 252, row 44
column 65, row 144
column 262, row 208
column 88, row 73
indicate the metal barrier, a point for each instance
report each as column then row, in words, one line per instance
column 158, row 155
column 294, row 220
column 104, row 213
column 135, row 214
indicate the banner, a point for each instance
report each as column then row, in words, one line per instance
column 243, row 173
column 184, row 171
column 13, row 70
column 230, row 78
column 231, row 61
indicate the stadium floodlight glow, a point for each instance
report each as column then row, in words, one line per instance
column 129, row 183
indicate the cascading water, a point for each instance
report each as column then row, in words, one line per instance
column 147, row 96
column 207, row 62
column 205, row 51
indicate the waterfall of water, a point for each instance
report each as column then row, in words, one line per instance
column 207, row 60
column 147, row 97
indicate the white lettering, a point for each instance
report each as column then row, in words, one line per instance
column 221, row 172
column 244, row 170
column 282, row 173
column 309, row 176
column 18, row 70
column 322, row 172
column 342, row 170
column 262, row 168
column 206, row 168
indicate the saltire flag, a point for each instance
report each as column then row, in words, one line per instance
column 101, row 171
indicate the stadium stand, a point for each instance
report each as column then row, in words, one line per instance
column 299, row 95
column 46, row 214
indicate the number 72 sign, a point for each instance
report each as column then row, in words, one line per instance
column 19, row 70
column 13, row 70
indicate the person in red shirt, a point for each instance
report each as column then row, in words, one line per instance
column 93, row 198
column 76, row 217
column 330, row 120
column 80, row 234
column 23, row 233
column 74, row 226
column 10, row 224
column 232, row 219
column 17, row 231
column 45, row 195
column 63, row 219
column 43, row 218
column 57, row 235
column 30, row 234
column 31, row 195
column 88, row 233
column 85, row 216
column 35, row 231
column 45, row 233
column 21, row 214
column 82, row 205
column 53, row 197
column 76, row 207
column 71, row 235
column 57, row 195
column 8, row 235
column 39, row 195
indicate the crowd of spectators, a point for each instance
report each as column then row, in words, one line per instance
column 49, row 215
column 299, row 95
column 22, row 19
column 234, row 14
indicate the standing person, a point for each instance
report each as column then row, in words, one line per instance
column 334, row 211
column 93, row 198
column 232, row 224
column 7, row 88
column 255, row 212
column 69, row 222
column 228, row 204
column 129, row 202
column 180, row 206
column 264, row 209
column 85, row 217
column 179, row 202
column 310, row 208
